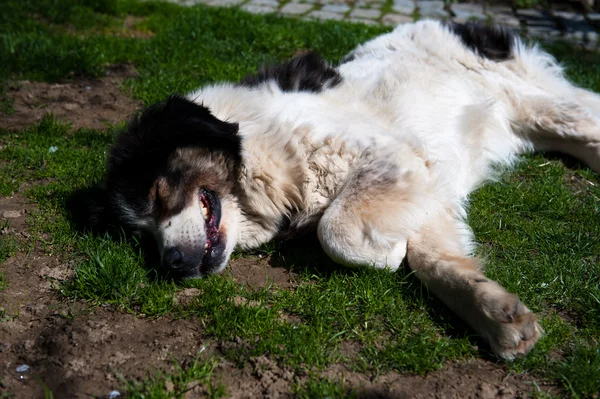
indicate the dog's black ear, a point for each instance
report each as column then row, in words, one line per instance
column 89, row 211
column 177, row 122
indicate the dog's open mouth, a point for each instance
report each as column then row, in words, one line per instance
column 211, row 209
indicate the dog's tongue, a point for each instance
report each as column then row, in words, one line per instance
column 213, row 208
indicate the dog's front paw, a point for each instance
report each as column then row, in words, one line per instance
column 512, row 329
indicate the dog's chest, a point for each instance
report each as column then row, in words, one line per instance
column 328, row 163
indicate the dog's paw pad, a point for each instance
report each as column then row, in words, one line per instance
column 516, row 330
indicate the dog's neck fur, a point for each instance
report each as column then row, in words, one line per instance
column 286, row 181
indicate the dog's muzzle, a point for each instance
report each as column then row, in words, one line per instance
column 195, row 256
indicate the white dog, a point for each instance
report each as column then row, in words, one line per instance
column 377, row 155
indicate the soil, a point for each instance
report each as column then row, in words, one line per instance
column 258, row 272
column 80, row 351
column 85, row 103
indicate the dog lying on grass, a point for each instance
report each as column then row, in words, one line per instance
column 377, row 155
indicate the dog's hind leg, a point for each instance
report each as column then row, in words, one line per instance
column 562, row 125
column 550, row 112
column 380, row 205
column 439, row 257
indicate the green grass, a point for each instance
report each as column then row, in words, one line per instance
column 195, row 378
column 7, row 246
column 323, row 388
column 539, row 226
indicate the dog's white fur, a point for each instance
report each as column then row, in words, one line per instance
column 383, row 163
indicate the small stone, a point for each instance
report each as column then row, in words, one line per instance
column 22, row 369
column 70, row 106
column 569, row 16
column 295, row 9
column 270, row 3
column 541, row 17
column 13, row 214
column 325, row 15
column 542, row 32
column 406, row 7
column 225, row 3
column 506, row 20
column 254, row 9
column 190, row 3
column 395, row 19
column 432, row 9
column 468, row 12
column 365, row 13
column 368, row 4
column 336, row 8
column 241, row 301
column 486, row 390
column 499, row 10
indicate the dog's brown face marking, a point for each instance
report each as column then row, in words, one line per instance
column 186, row 202
column 169, row 196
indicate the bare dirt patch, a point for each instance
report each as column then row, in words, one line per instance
column 258, row 272
column 85, row 103
column 259, row 378
column 578, row 184
column 262, row 377
column 13, row 212
column 74, row 349
column 130, row 28
column 474, row 379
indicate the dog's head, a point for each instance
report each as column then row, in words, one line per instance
column 171, row 173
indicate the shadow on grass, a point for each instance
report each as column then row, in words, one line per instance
column 568, row 161
column 88, row 214
column 304, row 256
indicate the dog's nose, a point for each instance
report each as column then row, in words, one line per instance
column 173, row 258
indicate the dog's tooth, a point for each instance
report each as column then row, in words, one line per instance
column 204, row 211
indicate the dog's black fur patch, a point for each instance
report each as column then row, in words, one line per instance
column 142, row 150
column 89, row 211
column 307, row 72
column 495, row 43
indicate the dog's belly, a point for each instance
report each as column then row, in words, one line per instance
column 453, row 127
column 461, row 126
